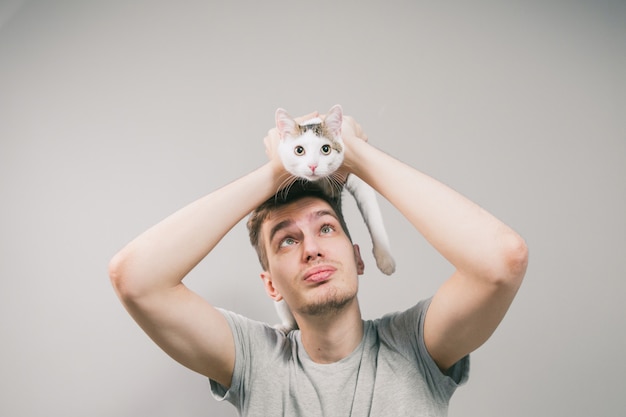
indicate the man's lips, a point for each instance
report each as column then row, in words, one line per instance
column 319, row 273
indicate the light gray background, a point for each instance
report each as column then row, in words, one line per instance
column 113, row 114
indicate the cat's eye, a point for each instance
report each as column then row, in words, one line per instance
column 325, row 149
column 299, row 150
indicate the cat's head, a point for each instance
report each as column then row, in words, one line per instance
column 314, row 149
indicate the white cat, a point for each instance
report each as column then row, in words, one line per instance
column 314, row 151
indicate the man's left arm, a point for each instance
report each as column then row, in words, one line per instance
column 489, row 257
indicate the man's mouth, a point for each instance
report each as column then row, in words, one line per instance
column 319, row 273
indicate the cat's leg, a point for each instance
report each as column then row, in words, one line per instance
column 367, row 203
column 288, row 322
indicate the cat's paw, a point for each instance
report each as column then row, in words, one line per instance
column 384, row 261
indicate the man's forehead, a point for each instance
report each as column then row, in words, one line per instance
column 307, row 207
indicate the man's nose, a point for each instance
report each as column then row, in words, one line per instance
column 312, row 250
column 313, row 256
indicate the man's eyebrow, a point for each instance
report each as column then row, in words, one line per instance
column 322, row 213
column 278, row 227
column 288, row 222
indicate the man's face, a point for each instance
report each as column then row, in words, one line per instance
column 311, row 262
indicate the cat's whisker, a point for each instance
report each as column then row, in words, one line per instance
column 284, row 191
column 285, row 186
column 336, row 183
column 330, row 186
column 287, row 189
column 287, row 177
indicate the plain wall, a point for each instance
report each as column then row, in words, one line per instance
column 113, row 114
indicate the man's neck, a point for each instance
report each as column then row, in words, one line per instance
column 333, row 337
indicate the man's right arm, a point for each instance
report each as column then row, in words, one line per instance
column 490, row 258
column 147, row 274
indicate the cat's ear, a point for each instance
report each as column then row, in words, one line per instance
column 333, row 120
column 285, row 124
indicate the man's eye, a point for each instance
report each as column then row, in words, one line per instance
column 327, row 229
column 287, row 242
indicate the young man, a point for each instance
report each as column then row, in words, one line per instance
column 336, row 364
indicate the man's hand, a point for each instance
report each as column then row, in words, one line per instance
column 350, row 131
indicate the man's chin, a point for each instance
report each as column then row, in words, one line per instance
column 329, row 305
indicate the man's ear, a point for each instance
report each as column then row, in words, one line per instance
column 270, row 289
column 360, row 265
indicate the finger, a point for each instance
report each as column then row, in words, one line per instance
column 269, row 139
column 352, row 126
column 267, row 143
column 360, row 133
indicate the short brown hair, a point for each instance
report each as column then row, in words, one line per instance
column 300, row 189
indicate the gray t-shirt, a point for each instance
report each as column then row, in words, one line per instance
column 390, row 373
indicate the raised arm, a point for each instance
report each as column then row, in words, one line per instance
column 489, row 257
column 147, row 275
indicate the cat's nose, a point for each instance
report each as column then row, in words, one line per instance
column 313, row 167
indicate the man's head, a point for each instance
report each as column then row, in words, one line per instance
column 299, row 190
column 307, row 256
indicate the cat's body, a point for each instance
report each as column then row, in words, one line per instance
column 314, row 151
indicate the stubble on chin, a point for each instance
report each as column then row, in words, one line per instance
column 329, row 303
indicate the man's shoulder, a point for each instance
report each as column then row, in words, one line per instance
column 254, row 333
column 408, row 317
column 402, row 331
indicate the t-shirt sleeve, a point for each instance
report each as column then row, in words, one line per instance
column 405, row 331
column 257, row 345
